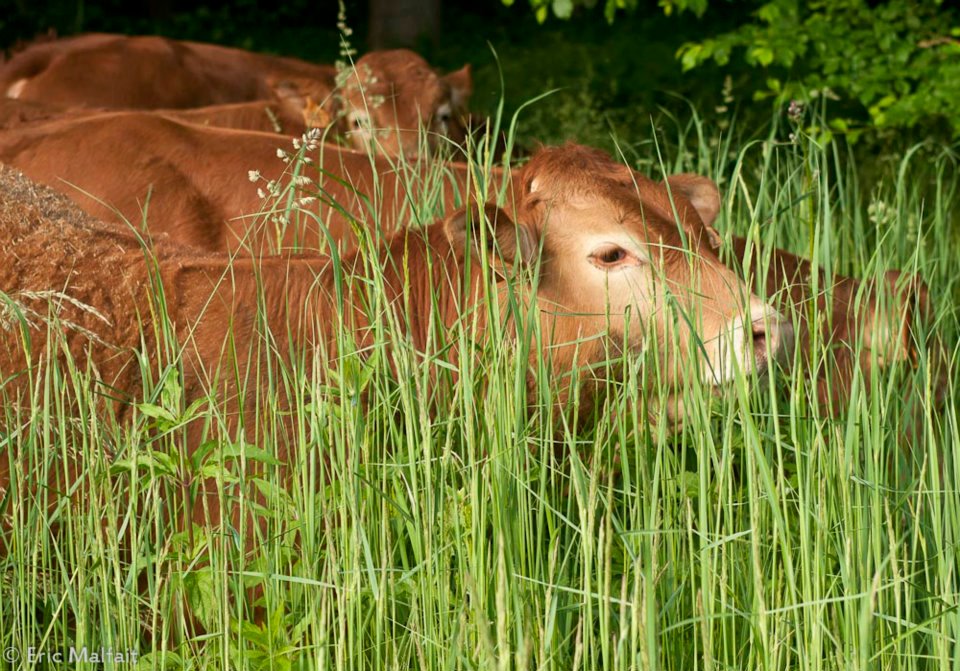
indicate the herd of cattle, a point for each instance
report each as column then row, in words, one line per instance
column 156, row 132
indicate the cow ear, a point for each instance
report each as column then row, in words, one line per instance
column 287, row 89
column 296, row 95
column 507, row 244
column 704, row 195
column 905, row 316
column 461, row 87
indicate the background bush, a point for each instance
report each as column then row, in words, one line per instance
column 885, row 73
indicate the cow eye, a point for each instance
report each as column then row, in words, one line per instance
column 611, row 256
column 358, row 121
column 444, row 114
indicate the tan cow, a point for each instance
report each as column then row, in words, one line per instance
column 198, row 200
column 607, row 258
column 385, row 101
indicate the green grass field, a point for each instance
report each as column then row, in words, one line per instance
column 431, row 521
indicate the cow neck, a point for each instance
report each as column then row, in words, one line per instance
column 416, row 278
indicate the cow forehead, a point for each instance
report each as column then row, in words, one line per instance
column 618, row 214
column 400, row 69
column 401, row 78
column 606, row 196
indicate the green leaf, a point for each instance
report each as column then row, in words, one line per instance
column 271, row 493
column 610, row 11
column 160, row 661
column 201, row 592
column 159, row 463
column 201, row 454
column 690, row 56
column 156, row 412
column 769, row 13
column 762, row 55
column 234, row 451
column 170, row 395
column 840, row 125
column 260, row 455
column 563, row 9
column 214, row 471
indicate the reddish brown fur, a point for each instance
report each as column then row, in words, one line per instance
column 400, row 92
column 92, row 283
column 259, row 115
column 116, row 71
column 19, row 113
column 881, row 320
column 196, row 177
column 390, row 95
column 105, row 268
column 167, row 155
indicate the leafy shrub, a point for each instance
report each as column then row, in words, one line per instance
column 887, row 65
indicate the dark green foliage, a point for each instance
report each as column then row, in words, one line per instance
column 890, row 65
column 886, row 65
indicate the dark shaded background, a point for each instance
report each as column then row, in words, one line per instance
column 617, row 76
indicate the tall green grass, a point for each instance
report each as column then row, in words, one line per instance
column 436, row 514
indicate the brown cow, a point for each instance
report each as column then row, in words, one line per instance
column 608, row 260
column 883, row 320
column 259, row 115
column 193, row 182
column 148, row 72
column 390, row 95
column 385, row 101
column 864, row 325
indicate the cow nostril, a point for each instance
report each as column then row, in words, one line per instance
column 758, row 332
column 772, row 340
column 759, row 335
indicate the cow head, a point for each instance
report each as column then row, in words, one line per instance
column 875, row 325
column 626, row 263
column 390, row 95
column 895, row 304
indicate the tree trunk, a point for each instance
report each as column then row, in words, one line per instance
column 403, row 23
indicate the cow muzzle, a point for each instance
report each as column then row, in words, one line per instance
column 748, row 344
